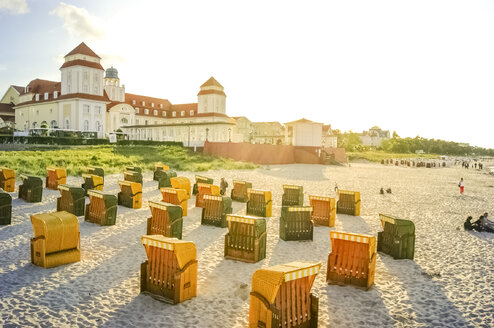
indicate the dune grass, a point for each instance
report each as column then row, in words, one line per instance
column 114, row 159
column 378, row 156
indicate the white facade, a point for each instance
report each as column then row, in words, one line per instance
column 306, row 133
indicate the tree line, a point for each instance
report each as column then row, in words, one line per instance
column 351, row 142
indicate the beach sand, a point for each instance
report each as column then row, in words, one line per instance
column 449, row 284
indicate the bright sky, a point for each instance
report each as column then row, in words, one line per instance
column 418, row 67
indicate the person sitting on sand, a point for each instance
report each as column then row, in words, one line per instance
column 469, row 225
column 388, row 190
column 381, row 191
column 223, row 186
column 486, row 224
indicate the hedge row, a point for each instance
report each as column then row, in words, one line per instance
column 80, row 141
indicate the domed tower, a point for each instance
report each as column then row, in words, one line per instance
column 211, row 98
column 112, row 85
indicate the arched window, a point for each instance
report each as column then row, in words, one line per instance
column 67, row 123
column 34, row 124
column 98, row 126
column 53, row 124
column 86, row 125
column 124, row 120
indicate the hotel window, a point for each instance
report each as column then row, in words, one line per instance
column 67, row 124
column 85, row 88
column 143, row 103
column 133, row 102
column 85, row 109
column 46, row 96
column 161, row 105
column 86, row 125
column 155, row 112
column 85, row 75
column 191, row 113
column 137, row 110
column 146, row 111
column 137, row 121
column 146, row 122
column 152, row 104
column 182, row 113
column 37, row 112
column 53, row 124
column 97, row 109
column 174, row 114
column 163, row 113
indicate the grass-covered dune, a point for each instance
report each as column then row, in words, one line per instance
column 114, row 159
column 379, row 155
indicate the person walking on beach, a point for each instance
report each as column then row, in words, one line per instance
column 223, row 186
column 461, row 184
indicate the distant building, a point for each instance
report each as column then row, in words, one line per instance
column 374, row 137
column 329, row 140
column 7, row 103
column 268, row 133
column 305, row 133
column 244, row 129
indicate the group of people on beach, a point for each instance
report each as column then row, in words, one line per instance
column 482, row 224
column 475, row 165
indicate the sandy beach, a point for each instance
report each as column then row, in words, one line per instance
column 449, row 284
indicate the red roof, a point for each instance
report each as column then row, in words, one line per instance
column 303, row 120
column 82, row 49
column 45, row 88
column 18, row 88
column 211, row 82
column 168, row 108
column 208, row 92
column 81, row 62
column 41, row 86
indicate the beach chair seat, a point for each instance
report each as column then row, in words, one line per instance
column 348, row 202
column 31, row 189
column 200, row 179
column 246, row 238
column 215, row 210
column 159, row 167
column 259, row 203
column 133, row 176
column 280, row 296
column 72, row 199
column 175, row 197
column 352, row 259
column 205, row 189
column 293, row 195
column 92, row 182
column 324, row 210
column 164, row 178
column 5, row 208
column 181, row 183
column 95, row 170
column 7, row 179
column 397, row 238
column 56, row 239
column 102, row 208
column 296, row 223
column 239, row 191
column 55, row 176
column 166, row 219
column 170, row 272
column 130, row 194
